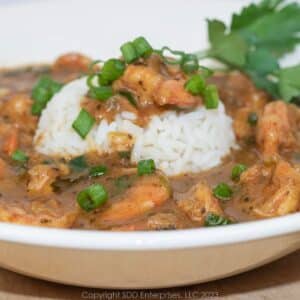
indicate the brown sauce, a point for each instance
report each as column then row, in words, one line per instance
column 20, row 205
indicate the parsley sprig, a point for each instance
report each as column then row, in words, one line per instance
column 255, row 40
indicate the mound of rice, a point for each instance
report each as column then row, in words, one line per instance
column 178, row 142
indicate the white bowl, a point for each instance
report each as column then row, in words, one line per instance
column 35, row 31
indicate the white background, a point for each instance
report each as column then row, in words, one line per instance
column 40, row 30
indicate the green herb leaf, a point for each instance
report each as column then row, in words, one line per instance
column 252, row 13
column 265, row 83
column 98, row 171
column 259, row 35
column 216, row 31
column 19, row 156
column 231, row 49
column 78, row 164
column 277, row 31
column 289, row 82
column 262, row 62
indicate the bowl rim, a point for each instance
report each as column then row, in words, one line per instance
column 149, row 240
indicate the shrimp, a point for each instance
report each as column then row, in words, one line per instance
column 2, row 168
column 72, row 62
column 11, row 141
column 241, row 126
column 198, row 202
column 147, row 193
column 18, row 110
column 120, row 141
column 163, row 221
column 271, row 190
column 49, row 213
column 275, row 129
column 150, row 86
column 40, row 179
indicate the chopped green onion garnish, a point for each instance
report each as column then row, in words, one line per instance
column 237, row 170
column 211, row 97
column 101, row 93
column 142, row 47
column 223, row 191
column 84, row 123
column 92, row 197
column 129, row 52
column 93, row 64
column 173, row 60
column 37, row 108
column 216, row 220
column 112, row 70
column 205, row 72
column 78, row 164
column 123, row 182
column 129, row 97
column 19, row 156
column 146, row 167
column 125, row 154
column 252, row 118
column 98, row 171
column 42, row 92
column 195, row 85
column 102, row 81
column 189, row 63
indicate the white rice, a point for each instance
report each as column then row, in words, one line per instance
column 177, row 142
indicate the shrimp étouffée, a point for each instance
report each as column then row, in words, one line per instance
column 151, row 86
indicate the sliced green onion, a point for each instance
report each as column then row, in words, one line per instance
column 216, row 220
column 206, row 72
column 92, row 197
column 102, row 81
column 129, row 52
column 223, row 191
column 112, row 70
column 83, row 123
column 37, row 108
column 195, row 85
column 94, row 63
column 125, row 154
column 252, row 118
column 123, row 182
column 142, row 47
column 19, row 156
column 189, row 63
column 42, row 92
column 98, row 171
column 78, row 164
column 101, row 93
column 211, row 97
column 237, row 170
column 171, row 61
column 146, row 167
column 129, row 97
column 90, row 79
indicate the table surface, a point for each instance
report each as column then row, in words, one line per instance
column 278, row 280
